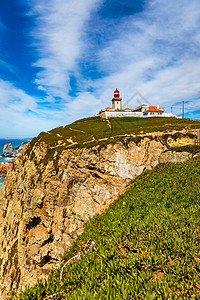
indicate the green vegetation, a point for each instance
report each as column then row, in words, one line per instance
column 147, row 243
column 188, row 148
column 97, row 131
column 177, row 135
column 92, row 130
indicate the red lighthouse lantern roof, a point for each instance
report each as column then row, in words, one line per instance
column 116, row 93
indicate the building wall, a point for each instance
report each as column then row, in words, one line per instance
column 141, row 109
column 119, row 114
column 116, row 104
column 138, row 110
column 155, row 114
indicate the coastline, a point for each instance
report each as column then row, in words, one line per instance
column 6, row 161
column 2, row 178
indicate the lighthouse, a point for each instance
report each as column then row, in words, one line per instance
column 142, row 111
column 116, row 101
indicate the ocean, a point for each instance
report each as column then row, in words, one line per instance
column 15, row 143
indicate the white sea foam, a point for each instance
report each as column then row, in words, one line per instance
column 2, row 178
column 5, row 160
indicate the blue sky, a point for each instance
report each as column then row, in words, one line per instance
column 61, row 60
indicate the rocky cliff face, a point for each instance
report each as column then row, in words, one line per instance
column 4, row 169
column 45, row 203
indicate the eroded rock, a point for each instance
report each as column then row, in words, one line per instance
column 3, row 169
column 9, row 151
column 44, row 205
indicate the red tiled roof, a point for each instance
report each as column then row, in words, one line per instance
column 154, row 108
column 108, row 108
column 127, row 108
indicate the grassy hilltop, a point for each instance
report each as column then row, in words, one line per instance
column 147, row 243
column 98, row 131
column 95, row 130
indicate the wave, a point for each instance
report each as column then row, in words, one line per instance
column 2, row 178
column 5, row 160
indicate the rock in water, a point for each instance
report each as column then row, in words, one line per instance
column 22, row 146
column 9, row 151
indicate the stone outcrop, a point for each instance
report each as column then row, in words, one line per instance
column 45, row 203
column 181, row 141
column 9, row 151
column 22, row 146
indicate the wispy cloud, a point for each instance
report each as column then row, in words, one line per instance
column 155, row 51
column 5, row 65
column 20, row 114
column 80, row 57
column 58, row 40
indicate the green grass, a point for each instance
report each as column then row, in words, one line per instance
column 147, row 243
column 194, row 149
column 98, row 128
column 151, row 124
column 89, row 132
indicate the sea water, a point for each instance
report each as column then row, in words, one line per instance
column 2, row 178
column 15, row 143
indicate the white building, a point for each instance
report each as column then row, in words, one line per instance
column 156, row 111
column 143, row 110
column 116, row 101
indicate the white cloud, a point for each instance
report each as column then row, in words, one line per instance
column 82, row 106
column 58, row 39
column 15, row 99
column 20, row 115
column 155, row 52
column 7, row 66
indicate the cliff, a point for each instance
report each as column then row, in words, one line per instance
column 144, row 246
column 4, row 169
column 49, row 194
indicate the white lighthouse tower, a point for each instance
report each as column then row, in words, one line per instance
column 142, row 111
column 116, row 101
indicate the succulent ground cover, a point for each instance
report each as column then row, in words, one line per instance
column 147, row 243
